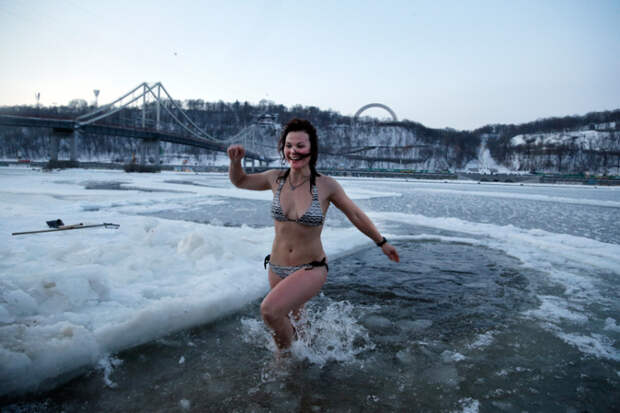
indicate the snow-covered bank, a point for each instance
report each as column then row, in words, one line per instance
column 70, row 298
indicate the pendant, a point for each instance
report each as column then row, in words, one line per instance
column 294, row 187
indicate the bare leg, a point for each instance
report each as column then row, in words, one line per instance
column 286, row 295
column 274, row 279
column 298, row 330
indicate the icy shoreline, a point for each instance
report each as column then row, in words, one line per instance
column 71, row 298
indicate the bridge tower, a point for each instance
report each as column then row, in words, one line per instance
column 150, row 146
column 65, row 133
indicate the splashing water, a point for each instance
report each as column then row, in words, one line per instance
column 326, row 332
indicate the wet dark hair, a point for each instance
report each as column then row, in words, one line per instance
column 301, row 125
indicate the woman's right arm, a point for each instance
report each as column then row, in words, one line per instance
column 259, row 182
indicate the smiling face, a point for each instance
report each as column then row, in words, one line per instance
column 296, row 145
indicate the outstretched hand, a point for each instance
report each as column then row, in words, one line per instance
column 390, row 251
column 236, row 152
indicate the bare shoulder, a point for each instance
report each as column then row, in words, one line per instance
column 329, row 185
column 272, row 175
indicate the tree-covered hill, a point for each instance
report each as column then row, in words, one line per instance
column 571, row 143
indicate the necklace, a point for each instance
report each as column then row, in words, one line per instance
column 294, row 187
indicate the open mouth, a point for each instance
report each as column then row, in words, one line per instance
column 297, row 156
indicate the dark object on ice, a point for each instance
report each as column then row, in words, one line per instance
column 61, row 165
column 68, row 227
column 55, row 223
column 132, row 167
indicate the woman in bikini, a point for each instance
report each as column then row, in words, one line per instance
column 297, row 263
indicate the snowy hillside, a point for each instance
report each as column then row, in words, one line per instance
column 589, row 143
column 568, row 151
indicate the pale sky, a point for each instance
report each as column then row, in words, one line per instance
column 460, row 64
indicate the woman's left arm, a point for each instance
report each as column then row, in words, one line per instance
column 358, row 218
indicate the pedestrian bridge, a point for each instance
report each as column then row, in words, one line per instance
column 161, row 120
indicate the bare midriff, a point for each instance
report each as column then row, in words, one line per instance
column 296, row 244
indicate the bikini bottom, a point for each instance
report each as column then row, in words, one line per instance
column 283, row 271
